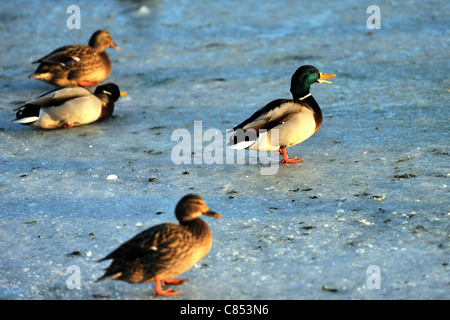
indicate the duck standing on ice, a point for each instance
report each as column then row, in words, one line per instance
column 294, row 120
column 77, row 65
column 166, row 250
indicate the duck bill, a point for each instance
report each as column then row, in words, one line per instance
column 112, row 45
column 324, row 76
column 213, row 214
column 123, row 93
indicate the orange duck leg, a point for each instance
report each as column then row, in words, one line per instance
column 169, row 291
column 286, row 158
column 83, row 83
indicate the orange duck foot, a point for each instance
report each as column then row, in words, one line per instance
column 169, row 291
column 165, row 292
column 286, row 158
column 67, row 125
column 82, row 83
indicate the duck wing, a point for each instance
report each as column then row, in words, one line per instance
column 151, row 242
column 74, row 58
column 64, row 56
column 155, row 249
column 271, row 115
column 58, row 97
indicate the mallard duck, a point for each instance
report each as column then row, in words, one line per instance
column 166, row 250
column 294, row 119
column 77, row 65
column 69, row 107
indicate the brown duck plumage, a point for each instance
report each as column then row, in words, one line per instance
column 77, row 65
column 165, row 250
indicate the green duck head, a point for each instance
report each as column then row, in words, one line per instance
column 304, row 77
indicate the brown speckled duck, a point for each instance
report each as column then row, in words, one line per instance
column 166, row 250
column 77, row 65
column 69, row 107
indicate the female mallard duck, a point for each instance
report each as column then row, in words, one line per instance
column 69, row 107
column 165, row 250
column 77, row 65
column 287, row 122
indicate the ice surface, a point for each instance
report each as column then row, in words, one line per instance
column 372, row 189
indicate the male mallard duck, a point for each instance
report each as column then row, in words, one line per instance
column 77, row 65
column 165, row 250
column 69, row 107
column 295, row 120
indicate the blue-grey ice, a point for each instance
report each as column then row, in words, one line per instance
column 364, row 216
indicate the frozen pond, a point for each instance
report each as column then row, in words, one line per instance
column 372, row 189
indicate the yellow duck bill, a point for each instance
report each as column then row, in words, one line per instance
column 324, row 76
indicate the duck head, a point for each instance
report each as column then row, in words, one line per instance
column 192, row 206
column 304, row 77
column 109, row 89
column 101, row 39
